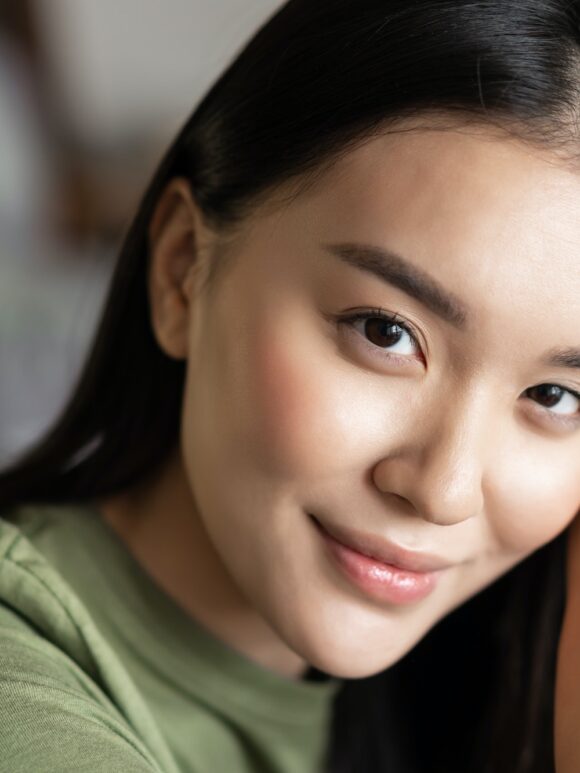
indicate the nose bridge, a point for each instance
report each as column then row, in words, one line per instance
column 441, row 471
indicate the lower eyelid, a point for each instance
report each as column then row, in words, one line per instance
column 557, row 420
column 567, row 421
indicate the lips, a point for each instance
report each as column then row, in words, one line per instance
column 384, row 551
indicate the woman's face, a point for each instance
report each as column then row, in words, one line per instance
column 449, row 428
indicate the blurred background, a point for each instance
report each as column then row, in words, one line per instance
column 91, row 93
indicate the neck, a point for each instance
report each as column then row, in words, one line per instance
column 159, row 523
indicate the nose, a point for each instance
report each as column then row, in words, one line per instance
column 440, row 472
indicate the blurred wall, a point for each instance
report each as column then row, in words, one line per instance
column 125, row 64
column 91, row 92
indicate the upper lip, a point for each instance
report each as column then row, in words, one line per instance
column 384, row 551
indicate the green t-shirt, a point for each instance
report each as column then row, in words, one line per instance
column 102, row 672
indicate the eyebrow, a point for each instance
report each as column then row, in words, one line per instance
column 401, row 273
column 564, row 358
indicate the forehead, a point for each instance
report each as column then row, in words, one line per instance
column 487, row 214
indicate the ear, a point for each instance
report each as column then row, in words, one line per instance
column 178, row 240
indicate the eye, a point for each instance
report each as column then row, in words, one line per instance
column 385, row 331
column 557, row 399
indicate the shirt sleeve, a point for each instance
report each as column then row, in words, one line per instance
column 49, row 723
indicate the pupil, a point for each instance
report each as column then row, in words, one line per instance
column 387, row 333
column 547, row 394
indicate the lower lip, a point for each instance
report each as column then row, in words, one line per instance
column 378, row 580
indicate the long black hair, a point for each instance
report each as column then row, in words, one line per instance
column 319, row 77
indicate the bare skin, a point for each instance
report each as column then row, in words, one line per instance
column 441, row 442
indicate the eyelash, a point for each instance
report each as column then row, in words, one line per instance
column 393, row 319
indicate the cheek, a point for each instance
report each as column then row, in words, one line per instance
column 536, row 501
column 300, row 412
column 266, row 397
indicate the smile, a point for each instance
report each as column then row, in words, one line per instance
column 413, row 577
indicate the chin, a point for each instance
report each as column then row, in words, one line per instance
column 360, row 667
column 352, row 656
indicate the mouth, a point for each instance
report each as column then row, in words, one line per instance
column 380, row 568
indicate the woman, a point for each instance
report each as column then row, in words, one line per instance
column 334, row 396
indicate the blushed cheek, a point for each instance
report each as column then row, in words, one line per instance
column 535, row 511
column 301, row 416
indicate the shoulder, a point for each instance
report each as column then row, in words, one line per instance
column 55, row 710
column 50, row 722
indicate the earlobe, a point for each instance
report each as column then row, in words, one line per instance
column 175, row 236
